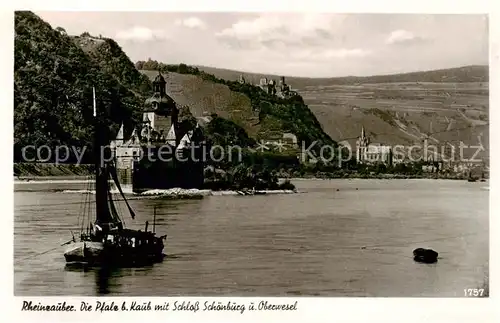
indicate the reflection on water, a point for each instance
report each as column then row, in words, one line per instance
column 106, row 278
column 356, row 241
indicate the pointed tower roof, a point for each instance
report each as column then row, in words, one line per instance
column 171, row 136
column 159, row 78
column 133, row 140
column 184, row 143
column 160, row 96
column 119, row 136
column 362, row 132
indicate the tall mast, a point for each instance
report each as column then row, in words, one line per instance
column 93, row 96
column 103, row 215
column 154, row 219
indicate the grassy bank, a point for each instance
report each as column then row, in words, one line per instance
column 40, row 171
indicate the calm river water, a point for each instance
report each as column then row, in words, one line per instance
column 273, row 245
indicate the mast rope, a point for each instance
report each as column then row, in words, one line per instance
column 76, row 203
column 120, row 214
column 37, row 254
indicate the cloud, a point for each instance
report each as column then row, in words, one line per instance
column 403, row 37
column 294, row 40
column 293, row 43
column 141, row 34
column 280, row 31
column 191, row 22
column 326, row 54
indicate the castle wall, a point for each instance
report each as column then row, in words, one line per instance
column 153, row 173
column 162, row 123
column 125, row 177
column 149, row 116
column 124, row 157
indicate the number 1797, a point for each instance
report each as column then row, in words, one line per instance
column 474, row 292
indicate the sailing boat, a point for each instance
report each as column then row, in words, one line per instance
column 107, row 241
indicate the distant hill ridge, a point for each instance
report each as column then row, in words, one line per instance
column 444, row 107
column 472, row 73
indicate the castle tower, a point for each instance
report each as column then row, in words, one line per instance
column 126, row 153
column 263, row 83
column 271, row 87
column 160, row 129
column 161, row 113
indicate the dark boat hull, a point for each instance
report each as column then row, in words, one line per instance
column 84, row 252
column 90, row 253
column 427, row 256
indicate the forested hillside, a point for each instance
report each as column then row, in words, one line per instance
column 53, row 79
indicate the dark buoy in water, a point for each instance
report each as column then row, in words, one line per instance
column 427, row 256
column 338, row 189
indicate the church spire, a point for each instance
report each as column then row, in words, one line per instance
column 362, row 132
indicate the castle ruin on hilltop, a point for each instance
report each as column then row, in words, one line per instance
column 159, row 154
column 270, row 86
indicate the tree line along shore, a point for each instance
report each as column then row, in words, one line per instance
column 218, row 177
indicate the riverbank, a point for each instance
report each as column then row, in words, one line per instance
column 31, row 172
column 85, row 178
column 381, row 176
column 180, row 194
column 44, row 171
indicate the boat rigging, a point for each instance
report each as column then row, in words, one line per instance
column 106, row 240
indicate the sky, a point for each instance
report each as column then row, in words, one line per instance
column 291, row 44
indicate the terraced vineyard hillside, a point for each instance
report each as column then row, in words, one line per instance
column 405, row 113
column 205, row 98
column 265, row 118
column 446, row 107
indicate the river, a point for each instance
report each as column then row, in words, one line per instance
column 334, row 238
